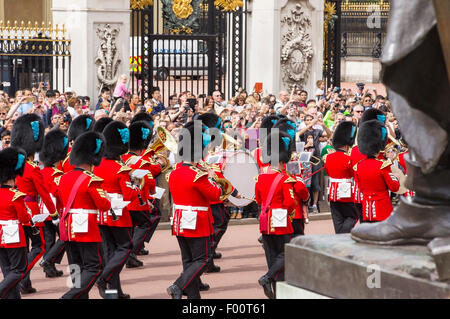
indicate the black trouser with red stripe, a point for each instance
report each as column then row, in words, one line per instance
column 221, row 217
column 298, row 224
column 344, row 216
column 35, row 253
column 117, row 244
column 85, row 263
column 359, row 210
column 195, row 255
column 274, row 250
column 54, row 249
column 144, row 226
column 13, row 262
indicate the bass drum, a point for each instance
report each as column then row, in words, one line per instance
column 240, row 168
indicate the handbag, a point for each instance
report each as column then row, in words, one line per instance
column 63, row 231
column 263, row 217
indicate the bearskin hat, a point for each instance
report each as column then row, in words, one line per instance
column 81, row 124
column 140, row 135
column 88, row 148
column 373, row 114
column 100, row 125
column 344, row 134
column 211, row 120
column 28, row 133
column 54, row 148
column 371, row 137
column 142, row 116
column 282, row 147
column 188, row 139
column 286, row 125
column 117, row 137
column 12, row 163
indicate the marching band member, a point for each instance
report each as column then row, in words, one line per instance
column 192, row 189
column 100, row 125
column 82, row 196
column 340, row 172
column 13, row 213
column 54, row 150
column 374, row 176
column 115, row 224
column 144, row 223
column 356, row 156
column 81, row 124
column 274, row 192
column 28, row 134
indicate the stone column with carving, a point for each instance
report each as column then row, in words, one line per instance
column 100, row 42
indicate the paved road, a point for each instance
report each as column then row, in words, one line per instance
column 242, row 264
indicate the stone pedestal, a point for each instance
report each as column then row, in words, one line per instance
column 336, row 266
column 86, row 22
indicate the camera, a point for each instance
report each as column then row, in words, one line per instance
column 192, row 102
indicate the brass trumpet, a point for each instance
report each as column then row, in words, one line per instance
column 164, row 141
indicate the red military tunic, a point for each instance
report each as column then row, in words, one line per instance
column 32, row 184
column 51, row 177
column 13, row 212
column 301, row 194
column 283, row 198
column 116, row 180
column 375, row 180
column 137, row 162
column 192, row 192
column 89, row 198
column 355, row 157
column 340, row 171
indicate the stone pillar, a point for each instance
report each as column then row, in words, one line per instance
column 264, row 46
column 87, row 23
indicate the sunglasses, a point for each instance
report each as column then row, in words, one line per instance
column 359, row 111
column 2, row 113
column 227, row 126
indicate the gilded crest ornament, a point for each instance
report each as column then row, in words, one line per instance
column 140, row 4
column 229, row 5
column 182, row 8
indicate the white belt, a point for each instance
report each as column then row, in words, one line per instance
column 9, row 222
column 83, row 211
column 340, row 180
column 190, row 208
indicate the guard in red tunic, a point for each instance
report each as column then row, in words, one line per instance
column 274, row 192
column 81, row 124
column 54, row 150
column 192, row 189
column 13, row 213
column 115, row 224
column 82, row 197
column 144, row 223
column 28, row 134
column 339, row 169
column 356, row 157
column 301, row 195
column 374, row 176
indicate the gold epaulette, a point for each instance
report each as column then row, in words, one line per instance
column 199, row 172
column 17, row 194
column 216, row 168
column 123, row 168
column 143, row 162
column 290, row 180
column 386, row 163
column 93, row 177
column 33, row 164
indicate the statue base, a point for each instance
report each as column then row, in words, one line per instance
column 336, row 266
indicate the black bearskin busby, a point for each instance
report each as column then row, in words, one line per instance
column 88, row 148
column 81, row 124
column 373, row 114
column 211, row 120
column 142, row 116
column 140, row 135
column 117, row 137
column 100, row 125
column 344, row 135
column 372, row 137
column 196, row 142
column 28, row 133
column 54, row 148
column 12, row 163
column 282, row 147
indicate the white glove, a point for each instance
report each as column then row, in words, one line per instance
column 55, row 221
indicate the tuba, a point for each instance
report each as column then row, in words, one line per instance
column 164, row 141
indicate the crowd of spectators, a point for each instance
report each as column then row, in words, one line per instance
column 316, row 116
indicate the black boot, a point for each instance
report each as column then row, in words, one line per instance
column 26, row 290
column 142, row 252
column 101, row 285
column 175, row 292
column 58, row 273
column 212, row 268
column 50, row 272
column 266, row 283
column 217, row 255
column 203, row 287
column 133, row 262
